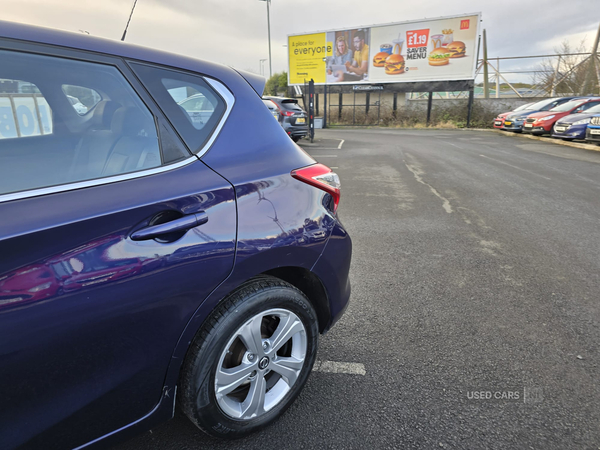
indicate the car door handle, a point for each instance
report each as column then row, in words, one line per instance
column 182, row 224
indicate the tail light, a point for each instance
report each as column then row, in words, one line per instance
column 284, row 113
column 322, row 177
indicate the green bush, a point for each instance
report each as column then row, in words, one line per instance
column 277, row 84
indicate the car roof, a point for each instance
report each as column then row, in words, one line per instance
column 80, row 41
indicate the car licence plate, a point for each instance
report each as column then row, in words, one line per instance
column 528, row 125
column 301, row 120
column 594, row 131
column 506, row 124
column 498, row 122
column 560, row 129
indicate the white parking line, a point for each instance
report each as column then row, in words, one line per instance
column 339, row 367
column 340, row 146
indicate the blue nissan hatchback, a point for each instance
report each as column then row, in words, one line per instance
column 151, row 256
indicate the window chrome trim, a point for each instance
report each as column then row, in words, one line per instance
column 95, row 182
column 216, row 85
column 229, row 102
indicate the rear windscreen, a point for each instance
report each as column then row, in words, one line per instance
column 291, row 105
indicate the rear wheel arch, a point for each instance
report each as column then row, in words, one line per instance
column 311, row 286
column 302, row 279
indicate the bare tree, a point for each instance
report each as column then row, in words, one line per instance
column 564, row 74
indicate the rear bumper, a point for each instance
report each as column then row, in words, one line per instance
column 333, row 268
column 296, row 130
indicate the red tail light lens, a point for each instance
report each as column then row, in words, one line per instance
column 282, row 112
column 322, row 177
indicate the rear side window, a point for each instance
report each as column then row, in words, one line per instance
column 47, row 142
column 189, row 102
column 24, row 111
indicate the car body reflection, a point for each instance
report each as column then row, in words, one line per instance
column 115, row 258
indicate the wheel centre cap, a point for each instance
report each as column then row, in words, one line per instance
column 263, row 363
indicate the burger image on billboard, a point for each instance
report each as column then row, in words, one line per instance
column 439, row 57
column 379, row 59
column 394, row 64
column 456, row 49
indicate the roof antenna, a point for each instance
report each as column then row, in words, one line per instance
column 127, row 26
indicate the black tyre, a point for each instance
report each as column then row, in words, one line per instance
column 250, row 360
column 296, row 138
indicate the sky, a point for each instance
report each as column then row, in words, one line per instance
column 234, row 32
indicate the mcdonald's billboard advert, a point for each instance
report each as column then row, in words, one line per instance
column 441, row 49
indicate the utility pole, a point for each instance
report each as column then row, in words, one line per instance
column 486, row 88
column 591, row 72
column 269, row 32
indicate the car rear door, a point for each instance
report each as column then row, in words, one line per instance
column 112, row 234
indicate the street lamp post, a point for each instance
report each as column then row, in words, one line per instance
column 261, row 61
column 269, row 31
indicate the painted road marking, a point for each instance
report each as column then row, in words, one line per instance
column 340, row 146
column 417, row 172
column 339, row 367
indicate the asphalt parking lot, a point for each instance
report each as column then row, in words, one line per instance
column 474, row 319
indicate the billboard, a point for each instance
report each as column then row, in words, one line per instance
column 439, row 49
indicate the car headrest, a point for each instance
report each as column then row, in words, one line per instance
column 103, row 114
column 130, row 121
column 185, row 113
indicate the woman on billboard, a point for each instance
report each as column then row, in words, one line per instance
column 343, row 54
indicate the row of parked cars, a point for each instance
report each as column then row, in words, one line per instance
column 566, row 118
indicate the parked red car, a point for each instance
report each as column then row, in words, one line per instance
column 499, row 120
column 542, row 122
column 29, row 284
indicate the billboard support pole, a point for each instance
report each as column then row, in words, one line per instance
column 311, row 109
column 486, row 88
column 429, row 103
column 470, row 105
column 395, row 105
column 354, row 109
column 325, row 106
